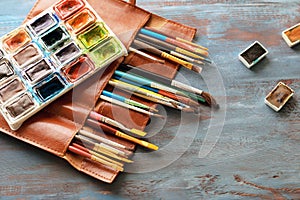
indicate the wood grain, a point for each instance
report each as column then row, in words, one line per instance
column 256, row 155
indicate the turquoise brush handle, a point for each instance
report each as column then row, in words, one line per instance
column 153, row 34
column 133, row 78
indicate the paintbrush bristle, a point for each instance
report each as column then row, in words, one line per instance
column 189, row 110
column 197, row 69
column 202, row 52
column 207, row 60
column 210, row 100
column 159, row 116
column 153, row 109
column 161, row 61
column 138, row 132
column 199, row 62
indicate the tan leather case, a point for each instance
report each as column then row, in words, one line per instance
column 53, row 128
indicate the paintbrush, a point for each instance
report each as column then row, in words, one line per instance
column 161, row 79
column 122, row 85
column 102, row 149
column 94, row 158
column 174, row 42
column 120, row 103
column 184, row 109
column 113, row 131
column 128, row 101
column 146, row 55
column 98, row 155
column 125, row 152
column 101, row 139
column 158, row 52
column 173, row 50
column 185, row 102
column 101, row 118
column 101, row 146
column 144, row 81
column 176, row 38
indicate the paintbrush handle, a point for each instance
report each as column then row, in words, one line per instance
column 162, row 44
column 163, row 36
column 120, row 103
column 144, row 81
column 145, row 55
column 127, row 137
column 174, row 50
column 162, row 79
column 125, row 86
column 147, row 47
column 177, row 60
column 185, row 87
column 88, row 155
column 99, row 117
column 167, row 55
column 101, row 139
column 98, row 146
column 179, row 55
column 149, row 75
column 125, row 100
column 97, row 154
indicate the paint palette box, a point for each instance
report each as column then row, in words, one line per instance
column 278, row 97
column 253, row 54
column 292, row 35
column 49, row 55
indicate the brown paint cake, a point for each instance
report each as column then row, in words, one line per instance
column 253, row 54
column 277, row 98
column 292, row 35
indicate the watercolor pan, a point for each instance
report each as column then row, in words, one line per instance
column 1, row 54
column 27, row 55
column 42, row 24
column 253, row 54
column 67, row 53
column 6, row 70
column 78, row 69
column 64, row 9
column 38, row 71
column 10, row 89
column 16, row 40
column 278, row 97
column 54, row 37
column 49, row 55
column 81, row 21
column 19, row 106
column 93, row 36
column 105, row 51
column 292, row 35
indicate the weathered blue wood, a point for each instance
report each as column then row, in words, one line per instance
column 257, row 152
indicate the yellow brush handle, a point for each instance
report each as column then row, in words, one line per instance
column 114, row 166
column 137, row 141
column 177, row 60
column 188, row 53
column 191, row 43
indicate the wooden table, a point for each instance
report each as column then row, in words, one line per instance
column 245, row 150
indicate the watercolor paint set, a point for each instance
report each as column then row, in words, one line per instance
column 292, row 35
column 46, row 57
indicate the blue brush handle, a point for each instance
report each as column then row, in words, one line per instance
column 153, row 34
column 114, row 96
column 133, row 78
